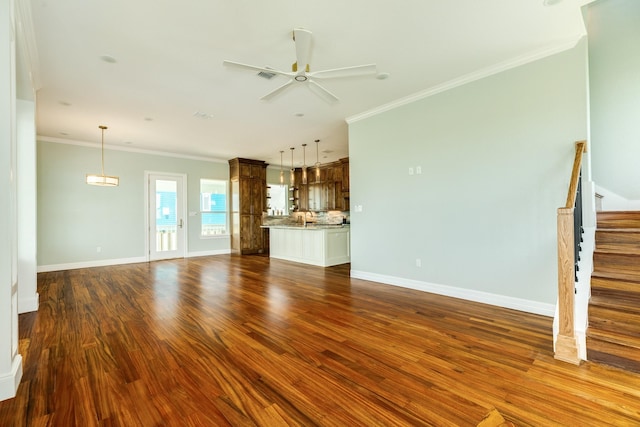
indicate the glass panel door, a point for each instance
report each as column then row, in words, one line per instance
column 166, row 217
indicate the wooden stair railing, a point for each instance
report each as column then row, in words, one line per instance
column 566, row 344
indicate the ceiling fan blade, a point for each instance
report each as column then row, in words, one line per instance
column 276, row 91
column 358, row 70
column 302, row 38
column 255, row 68
column 322, row 92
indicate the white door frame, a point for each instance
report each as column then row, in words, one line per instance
column 182, row 205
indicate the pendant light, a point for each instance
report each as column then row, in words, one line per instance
column 317, row 165
column 292, row 176
column 304, row 163
column 102, row 179
column 281, row 171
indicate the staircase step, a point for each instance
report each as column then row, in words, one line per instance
column 613, row 349
column 615, row 338
column 615, row 261
column 618, row 219
column 614, row 285
column 618, row 238
column 620, row 306
column 613, row 335
column 619, row 319
column 627, row 327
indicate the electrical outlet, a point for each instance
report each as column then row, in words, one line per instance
column 410, row 171
column 418, row 170
column 99, row 249
column 418, row 262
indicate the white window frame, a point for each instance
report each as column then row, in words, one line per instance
column 203, row 212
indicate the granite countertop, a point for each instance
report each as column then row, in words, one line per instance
column 310, row 226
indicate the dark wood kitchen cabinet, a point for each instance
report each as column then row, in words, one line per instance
column 330, row 190
column 248, row 202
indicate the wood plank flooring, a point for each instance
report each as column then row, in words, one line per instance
column 250, row 341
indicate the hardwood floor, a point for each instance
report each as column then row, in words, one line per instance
column 244, row 341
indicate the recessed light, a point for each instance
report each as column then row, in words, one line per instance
column 148, row 119
column 108, row 58
column 63, row 133
column 202, row 115
column 128, row 142
column 299, row 114
column 64, row 103
column 383, row 76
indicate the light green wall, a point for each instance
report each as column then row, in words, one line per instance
column 614, row 67
column 495, row 156
column 74, row 218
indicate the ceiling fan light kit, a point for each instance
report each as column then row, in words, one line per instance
column 301, row 71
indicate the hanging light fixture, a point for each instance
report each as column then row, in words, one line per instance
column 292, row 175
column 317, row 165
column 102, row 179
column 304, row 163
column 281, row 171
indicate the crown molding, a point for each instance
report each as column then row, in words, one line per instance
column 129, row 149
column 471, row 77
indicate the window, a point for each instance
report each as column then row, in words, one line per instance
column 278, row 199
column 213, row 207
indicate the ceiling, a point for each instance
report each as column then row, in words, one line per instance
column 168, row 90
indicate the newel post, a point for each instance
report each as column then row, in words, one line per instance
column 566, row 343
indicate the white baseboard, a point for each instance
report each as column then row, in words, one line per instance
column 10, row 381
column 118, row 261
column 26, row 305
column 209, row 253
column 89, row 264
column 519, row 304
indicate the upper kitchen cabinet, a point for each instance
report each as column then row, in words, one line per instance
column 326, row 191
column 344, row 189
column 344, row 166
column 248, row 201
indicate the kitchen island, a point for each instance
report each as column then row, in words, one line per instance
column 321, row 245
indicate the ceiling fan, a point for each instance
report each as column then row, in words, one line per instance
column 300, row 70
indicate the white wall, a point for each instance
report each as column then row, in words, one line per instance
column 10, row 360
column 27, row 208
column 495, row 157
column 75, row 218
column 614, row 67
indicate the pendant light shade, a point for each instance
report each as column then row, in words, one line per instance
column 281, row 171
column 292, row 175
column 317, row 165
column 304, row 163
column 102, row 180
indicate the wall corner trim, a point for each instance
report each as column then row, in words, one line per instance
column 27, row 305
column 10, row 381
